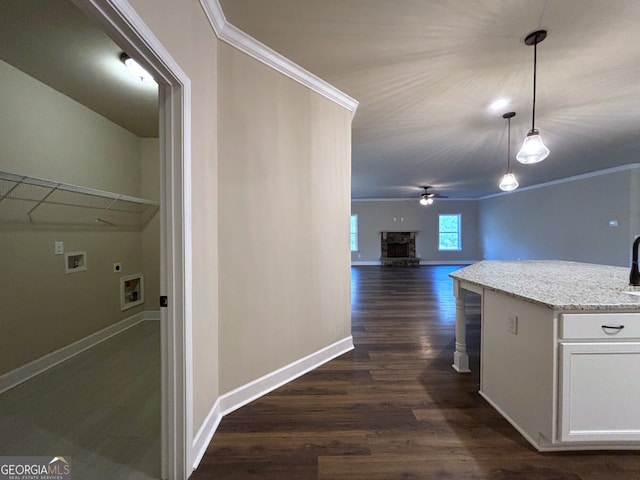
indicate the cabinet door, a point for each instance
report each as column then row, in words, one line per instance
column 600, row 391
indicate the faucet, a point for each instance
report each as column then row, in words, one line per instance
column 634, row 278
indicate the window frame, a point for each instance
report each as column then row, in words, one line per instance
column 458, row 232
column 353, row 234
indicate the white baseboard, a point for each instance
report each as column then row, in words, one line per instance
column 31, row 369
column 240, row 396
column 422, row 262
column 448, row 262
column 152, row 315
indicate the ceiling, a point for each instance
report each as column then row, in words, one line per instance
column 54, row 42
column 424, row 72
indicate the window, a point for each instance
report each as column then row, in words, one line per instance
column 354, row 233
column 449, row 232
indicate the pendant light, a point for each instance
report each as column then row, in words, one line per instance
column 509, row 181
column 533, row 150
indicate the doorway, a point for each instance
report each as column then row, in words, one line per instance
column 123, row 26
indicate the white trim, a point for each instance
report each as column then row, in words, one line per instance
column 412, row 199
column 50, row 360
column 240, row 40
column 598, row 173
column 521, row 431
column 205, row 433
column 123, row 24
column 422, row 262
column 448, row 262
column 153, row 315
column 244, row 394
column 606, row 171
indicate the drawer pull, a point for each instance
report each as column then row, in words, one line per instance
column 613, row 327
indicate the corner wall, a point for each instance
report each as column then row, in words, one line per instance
column 284, row 189
column 183, row 29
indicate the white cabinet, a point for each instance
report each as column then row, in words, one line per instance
column 600, row 392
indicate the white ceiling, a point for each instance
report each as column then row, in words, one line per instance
column 54, row 42
column 424, row 72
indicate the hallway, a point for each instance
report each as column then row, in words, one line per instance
column 393, row 408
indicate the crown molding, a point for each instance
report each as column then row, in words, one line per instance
column 597, row 173
column 238, row 39
column 404, row 199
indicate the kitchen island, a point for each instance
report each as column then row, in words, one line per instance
column 560, row 350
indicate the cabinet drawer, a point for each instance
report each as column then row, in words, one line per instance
column 594, row 325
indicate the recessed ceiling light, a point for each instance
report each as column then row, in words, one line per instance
column 135, row 69
column 499, row 104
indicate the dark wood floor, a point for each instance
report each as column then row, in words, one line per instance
column 393, row 408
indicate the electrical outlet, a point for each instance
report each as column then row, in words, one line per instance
column 58, row 248
column 117, row 267
column 513, row 324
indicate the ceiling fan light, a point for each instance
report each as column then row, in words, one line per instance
column 533, row 149
column 508, row 182
column 426, row 199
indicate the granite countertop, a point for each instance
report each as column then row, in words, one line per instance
column 556, row 284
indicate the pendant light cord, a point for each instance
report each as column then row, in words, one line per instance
column 535, row 63
column 509, row 146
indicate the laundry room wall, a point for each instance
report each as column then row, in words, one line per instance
column 47, row 135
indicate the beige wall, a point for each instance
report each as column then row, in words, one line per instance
column 270, row 195
column 150, row 188
column 31, row 138
column 184, row 31
column 284, row 189
column 45, row 134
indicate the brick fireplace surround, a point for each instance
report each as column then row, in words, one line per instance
column 398, row 249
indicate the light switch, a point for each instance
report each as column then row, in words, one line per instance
column 58, row 248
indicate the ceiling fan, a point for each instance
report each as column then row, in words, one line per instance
column 427, row 197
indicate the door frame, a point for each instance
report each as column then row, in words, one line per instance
column 125, row 27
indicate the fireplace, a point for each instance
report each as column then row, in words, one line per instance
column 399, row 249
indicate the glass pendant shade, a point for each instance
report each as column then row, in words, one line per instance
column 533, row 150
column 508, row 182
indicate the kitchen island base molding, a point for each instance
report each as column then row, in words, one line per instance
column 461, row 362
column 543, row 444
